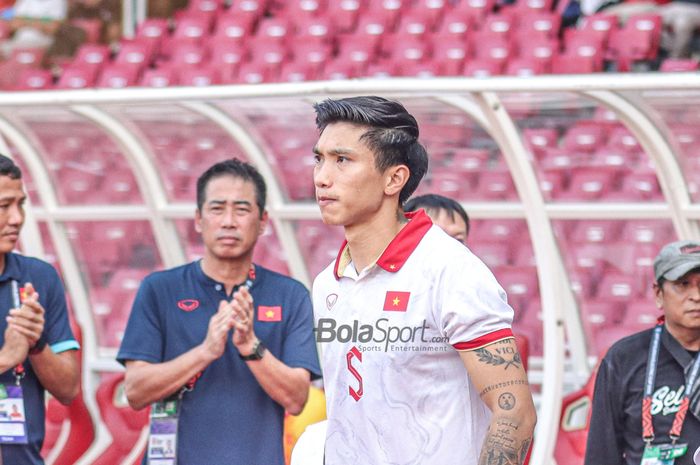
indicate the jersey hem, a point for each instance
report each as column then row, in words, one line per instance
column 487, row 339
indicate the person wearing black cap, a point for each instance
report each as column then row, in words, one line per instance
column 646, row 403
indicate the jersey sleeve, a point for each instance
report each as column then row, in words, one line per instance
column 143, row 337
column 57, row 332
column 299, row 347
column 604, row 434
column 472, row 306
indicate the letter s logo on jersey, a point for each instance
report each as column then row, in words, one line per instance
column 188, row 305
column 354, row 353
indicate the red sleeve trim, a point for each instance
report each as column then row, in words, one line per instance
column 485, row 340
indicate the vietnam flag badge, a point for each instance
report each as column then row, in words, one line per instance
column 269, row 313
column 396, row 301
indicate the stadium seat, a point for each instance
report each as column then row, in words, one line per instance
column 314, row 29
column 627, row 46
column 252, row 9
column 34, row 79
column 126, row 426
column 457, row 23
column 599, row 25
column 498, row 25
column 140, row 54
column 344, row 14
column 679, row 65
column 274, row 29
column 596, row 231
column 361, row 50
column 92, row 55
column 71, row 424
column 407, row 49
column 544, row 23
column 304, row 8
column 295, row 71
column 538, row 51
column 388, row 11
column 476, row 9
column 118, row 75
column 493, row 253
column 586, row 45
column 163, row 76
column 433, row 10
column 496, row 185
column 491, row 47
column 449, row 53
column 415, row 24
column 192, row 28
column 573, row 427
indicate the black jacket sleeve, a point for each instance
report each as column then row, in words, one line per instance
column 605, row 436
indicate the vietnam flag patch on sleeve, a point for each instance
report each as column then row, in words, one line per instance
column 396, row 301
column 269, row 313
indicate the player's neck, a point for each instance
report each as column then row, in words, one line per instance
column 368, row 240
column 688, row 338
column 230, row 272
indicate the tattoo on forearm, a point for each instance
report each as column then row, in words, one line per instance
column 504, row 356
column 502, row 385
column 501, row 447
column 506, row 401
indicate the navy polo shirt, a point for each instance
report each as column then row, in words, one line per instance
column 227, row 418
column 57, row 334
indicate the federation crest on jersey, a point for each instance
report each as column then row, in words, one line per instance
column 188, row 305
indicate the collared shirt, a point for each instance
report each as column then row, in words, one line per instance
column 615, row 433
column 57, row 334
column 227, row 418
column 397, row 390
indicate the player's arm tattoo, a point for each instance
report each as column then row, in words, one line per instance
column 501, row 385
column 502, row 446
column 506, row 356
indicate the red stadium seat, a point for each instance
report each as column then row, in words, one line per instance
column 627, row 46
column 573, row 426
column 599, row 25
column 494, row 254
column 315, row 29
column 118, row 75
column 344, row 14
column 77, row 77
column 92, row 55
column 163, row 76
column 254, row 73
column 252, row 9
column 432, row 10
column 234, row 28
column 34, row 79
column 199, row 77
column 570, row 64
column 192, row 28
column 499, row 25
column 494, row 48
column 416, row 24
column 457, row 23
column 360, row 50
column 304, row 8
column 298, row 72
column 188, row 55
column 313, row 53
column 126, row 426
column 340, row 69
column 407, row 49
column 477, row 9
column 388, row 11
column 72, row 423
column 140, row 54
column 277, row 29
column 449, row 52
column 544, row 23
column 418, row 69
column 679, row 65
column 539, row 50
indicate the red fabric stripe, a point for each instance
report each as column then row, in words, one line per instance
column 647, row 426
column 485, row 340
column 680, row 418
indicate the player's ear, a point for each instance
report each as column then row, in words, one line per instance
column 264, row 218
column 198, row 220
column 395, row 178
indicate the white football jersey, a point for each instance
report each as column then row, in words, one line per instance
column 397, row 391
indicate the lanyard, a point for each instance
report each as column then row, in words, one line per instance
column 18, row 371
column 650, row 378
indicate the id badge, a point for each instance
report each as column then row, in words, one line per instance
column 162, row 441
column 663, row 454
column 13, row 423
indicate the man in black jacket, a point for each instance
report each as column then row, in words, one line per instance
column 654, row 375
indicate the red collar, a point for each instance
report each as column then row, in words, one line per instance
column 399, row 249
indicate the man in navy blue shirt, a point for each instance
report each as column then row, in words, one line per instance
column 38, row 347
column 231, row 339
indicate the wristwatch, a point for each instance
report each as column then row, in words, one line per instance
column 258, row 352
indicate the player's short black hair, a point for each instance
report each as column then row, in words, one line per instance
column 392, row 133
column 238, row 169
column 436, row 202
column 9, row 168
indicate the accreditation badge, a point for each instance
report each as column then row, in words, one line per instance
column 162, row 441
column 13, row 422
column 663, row 454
